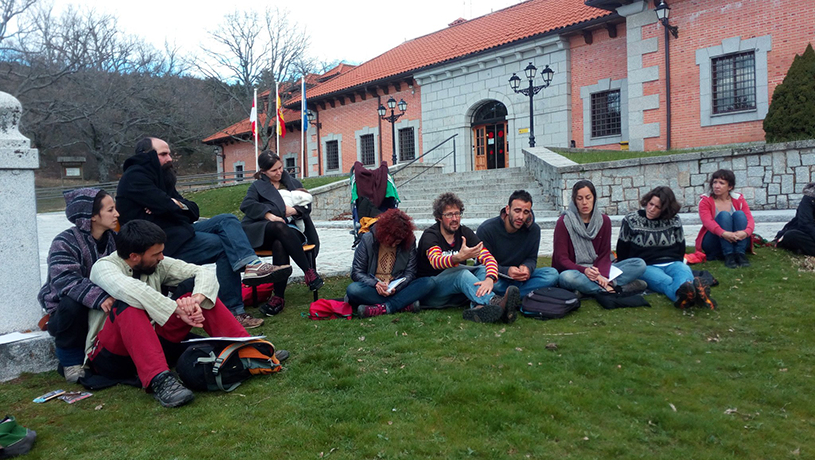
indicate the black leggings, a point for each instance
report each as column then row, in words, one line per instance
column 798, row 242
column 284, row 242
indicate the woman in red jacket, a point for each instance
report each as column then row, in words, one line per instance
column 727, row 223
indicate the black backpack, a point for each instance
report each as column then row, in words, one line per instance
column 223, row 364
column 549, row 303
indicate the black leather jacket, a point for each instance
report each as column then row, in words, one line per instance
column 363, row 269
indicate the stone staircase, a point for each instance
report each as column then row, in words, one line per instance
column 484, row 193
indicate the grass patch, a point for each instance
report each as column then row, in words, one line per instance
column 433, row 386
column 597, row 156
column 227, row 200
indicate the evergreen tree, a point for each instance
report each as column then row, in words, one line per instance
column 792, row 112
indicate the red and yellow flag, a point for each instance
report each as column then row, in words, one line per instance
column 281, row 123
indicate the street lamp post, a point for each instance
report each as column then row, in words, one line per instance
column 531, row 91
column 383, row 114
column 663, row 11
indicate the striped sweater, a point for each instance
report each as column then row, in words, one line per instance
column 436, row 254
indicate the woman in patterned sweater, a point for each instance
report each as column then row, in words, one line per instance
column 654, row 234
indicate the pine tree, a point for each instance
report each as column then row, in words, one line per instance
column 791, row 115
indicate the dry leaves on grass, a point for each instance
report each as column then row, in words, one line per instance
column 805, row 264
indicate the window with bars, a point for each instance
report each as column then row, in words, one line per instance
column 239, row 173
column 366, row 149
column 290, row 166
column 332, row 155
column 407, row 145
column 605, row 114
column 734, row 82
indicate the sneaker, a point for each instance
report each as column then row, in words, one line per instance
column 169, row 391
column 634, row 287
column 703, row 295
column 74, row 373
column 313, row 280
column 413, row 308
column 685, row 296
column 730, row 261
column 510, row 302
column 281, row 355
column 273, row 306
column 367, row 311
column 741, row 259
column 248, row 321
column 262, row 273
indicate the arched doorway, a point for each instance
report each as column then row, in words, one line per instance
column 490, row 136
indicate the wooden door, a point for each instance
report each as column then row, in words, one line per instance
column 480, row 147
column 490, row 146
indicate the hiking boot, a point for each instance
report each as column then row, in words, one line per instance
column 262, row 273
column 685, row 296
column 313, row 280
column 413, row 308
column 169, row 391
column 634, row 287
column 248, row 321
column 703, row 295
column 510, row 302
column 367, row 311
column 73, row 373
column 489, row 313
column 281, row 355
column 273, row 306
column 741, row 259
column 730, row 261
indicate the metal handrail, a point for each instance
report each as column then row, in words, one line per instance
column 434, row 164
column 422, row 155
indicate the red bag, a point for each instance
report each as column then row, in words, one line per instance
column 264, row 293
column 329, row 309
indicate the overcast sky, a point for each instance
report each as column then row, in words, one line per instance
column 354, row 31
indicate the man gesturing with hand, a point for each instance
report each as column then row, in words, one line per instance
column 444, row 249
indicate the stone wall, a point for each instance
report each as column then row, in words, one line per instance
column 332, row 200
column 770, row 176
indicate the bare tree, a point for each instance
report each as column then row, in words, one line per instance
column 9, row 10
column 252, row 50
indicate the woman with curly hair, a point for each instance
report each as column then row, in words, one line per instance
column 655, row 235
column 386, row 256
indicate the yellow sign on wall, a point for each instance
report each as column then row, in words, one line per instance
column 523, row 131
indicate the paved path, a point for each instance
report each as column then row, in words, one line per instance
column 336, row 253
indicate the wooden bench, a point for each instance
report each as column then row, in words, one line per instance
column 307, row 248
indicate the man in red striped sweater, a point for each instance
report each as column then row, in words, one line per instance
column 444, row 249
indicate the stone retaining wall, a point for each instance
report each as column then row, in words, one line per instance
column 770, row 176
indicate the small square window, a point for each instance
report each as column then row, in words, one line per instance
column 605, row 114
column 734, row 82
column 332, row 155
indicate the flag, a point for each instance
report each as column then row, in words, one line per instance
column 281, row 123
column 253, row 119
column 303, row 103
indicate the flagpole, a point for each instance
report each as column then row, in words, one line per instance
column 255, row 133
column 303, row 125
column 277, row 115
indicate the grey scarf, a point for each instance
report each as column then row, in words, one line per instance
column 582, row 235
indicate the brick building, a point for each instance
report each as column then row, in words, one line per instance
column 608, row 87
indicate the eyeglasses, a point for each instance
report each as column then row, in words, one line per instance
column 451, row 215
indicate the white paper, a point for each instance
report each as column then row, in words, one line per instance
column 392, row 285
column 227, row 339
column 16, row 337
column 614, row 272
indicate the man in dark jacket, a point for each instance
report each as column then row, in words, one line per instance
column 147, row 191
column 513, row 238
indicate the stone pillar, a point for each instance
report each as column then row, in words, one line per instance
column 19, row 254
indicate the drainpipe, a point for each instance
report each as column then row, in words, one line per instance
column 379, row 124
column 319, row 143
column 667, row 90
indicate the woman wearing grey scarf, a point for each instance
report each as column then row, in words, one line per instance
column 582, row 249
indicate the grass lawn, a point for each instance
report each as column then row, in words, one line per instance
column 228, row 199
column 597, row 156
column 657, row 382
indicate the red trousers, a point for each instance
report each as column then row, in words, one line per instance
column 128, row 332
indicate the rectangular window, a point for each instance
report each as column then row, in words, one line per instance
column 605, row 114
column 366, row 149
column 238, row 173
column 407, row 145
column 734, row 82
column 332, row 155
column 290, row 167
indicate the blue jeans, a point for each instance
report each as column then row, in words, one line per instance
column 221, row 240
column 716, row 247
column 362, row 294
column 454, row 286
column 574, row 280
column 666, row 280
column 540, row 278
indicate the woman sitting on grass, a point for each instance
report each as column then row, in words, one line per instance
column 68, row 294
column 799, row 234
column 727, row 223
column 655, row 235
column 385, row 255
column 266, row 224
column 582, row 249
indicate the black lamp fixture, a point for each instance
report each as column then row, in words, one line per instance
column 312, row 118
column 383, row 114
column 515, row 83
column 663, row 12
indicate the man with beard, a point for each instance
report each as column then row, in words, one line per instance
column 444, row 249
column 147, row 191
column 513, row 238
column 128, row 344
